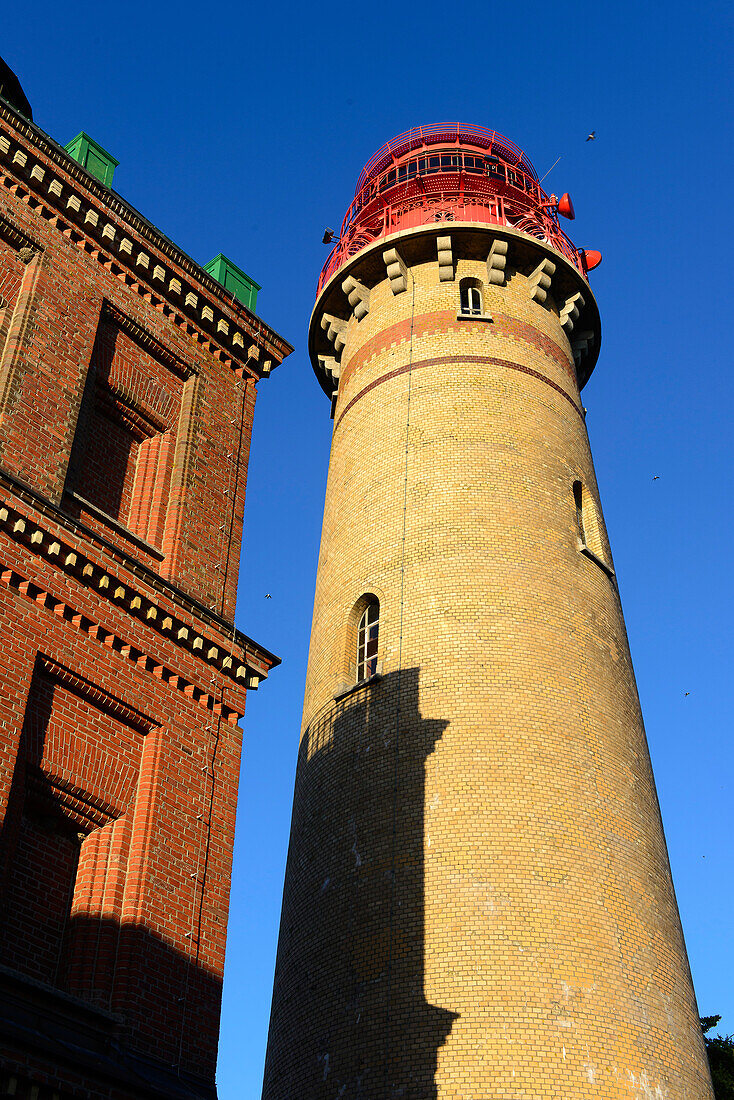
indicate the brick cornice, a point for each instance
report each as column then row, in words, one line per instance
column 210, row 697
column 99, row 222
column 175, row 617
column 167, row 590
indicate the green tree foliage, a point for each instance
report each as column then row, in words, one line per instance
column 720, row 1050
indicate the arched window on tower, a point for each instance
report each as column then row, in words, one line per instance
column 470, row 296
column 367, row 640
column 578, row 499
column 589, row 527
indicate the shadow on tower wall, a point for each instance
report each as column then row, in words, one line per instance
column 349, row 1016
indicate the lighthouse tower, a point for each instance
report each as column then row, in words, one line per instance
column 478, row 900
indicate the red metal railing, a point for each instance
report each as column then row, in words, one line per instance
column 444, row 133
column 447, row 173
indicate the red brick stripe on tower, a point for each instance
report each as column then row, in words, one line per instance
column 444, row 359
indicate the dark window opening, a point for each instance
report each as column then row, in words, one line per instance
column 470, row 295
column 578, row 497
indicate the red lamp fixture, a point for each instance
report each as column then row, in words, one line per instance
column 565, row 207
column 591, row 258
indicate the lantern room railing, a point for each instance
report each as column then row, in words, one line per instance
column 444, row 174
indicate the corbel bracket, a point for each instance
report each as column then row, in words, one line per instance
column 397, row 272
column 540, row 281
column 496, row 263
column 570, row 312
column 581, row 345
column 358, row 296
column 331, row 368
column 335, row 329
column 445, row 260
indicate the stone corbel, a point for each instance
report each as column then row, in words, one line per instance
column 358, row 296
column 331, row 368
column 581, row 345
column 335, row 329
column 496, row 263
column 570, row 312
column 397, row 272
column 540, row 281
column 445, row 260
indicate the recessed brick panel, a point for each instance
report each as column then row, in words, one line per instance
column 77, row 774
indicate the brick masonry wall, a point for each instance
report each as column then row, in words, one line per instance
column 168, row 970
column 44, row 386
column 478, row 900
column 123, row 448
column 124, row 440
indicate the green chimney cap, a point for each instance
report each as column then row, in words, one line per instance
column 234, row 280
column 93, row 157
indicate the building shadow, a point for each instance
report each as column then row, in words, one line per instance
column 89, row 1005
column 155, row 1037
column 349, row 1017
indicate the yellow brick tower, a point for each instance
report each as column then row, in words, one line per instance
column 478, row 901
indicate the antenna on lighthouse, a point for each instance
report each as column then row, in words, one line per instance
column 555, row 162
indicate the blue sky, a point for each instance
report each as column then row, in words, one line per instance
column 242, row 129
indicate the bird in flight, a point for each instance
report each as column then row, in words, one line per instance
column 657, row 477
column 686, row 693
column 592, row 136
column 268, row 596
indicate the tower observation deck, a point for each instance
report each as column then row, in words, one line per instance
column 448, row 173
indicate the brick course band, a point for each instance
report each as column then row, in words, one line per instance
column 427, row 324
column 442, row 359
column 10, row 577
column 181, row 632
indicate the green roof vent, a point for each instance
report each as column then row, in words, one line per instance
column 93, row 157
column 234, row 280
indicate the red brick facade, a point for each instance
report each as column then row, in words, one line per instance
column 127, row 391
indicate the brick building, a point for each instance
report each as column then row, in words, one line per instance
column 127, row 390
column 478, row 902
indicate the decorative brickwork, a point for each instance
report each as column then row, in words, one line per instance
column 127, row 390
column 478, row 901
column 459, row 360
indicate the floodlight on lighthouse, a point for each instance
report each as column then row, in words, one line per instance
column 565, row 207
column 591, row 258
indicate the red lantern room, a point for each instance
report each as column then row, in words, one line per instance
column 450, row 173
